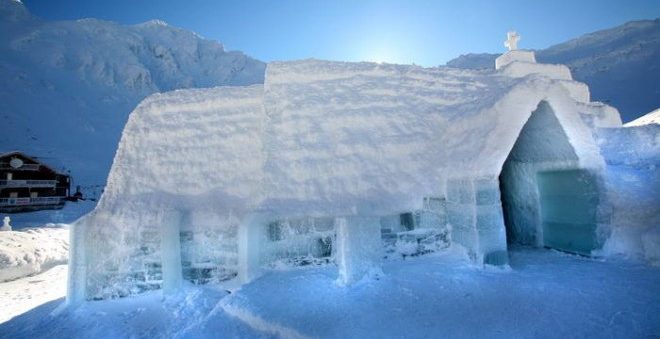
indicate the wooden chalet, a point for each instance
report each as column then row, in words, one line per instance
column 27, row 184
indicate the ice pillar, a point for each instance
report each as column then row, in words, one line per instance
column 171, row 252
column 76, row 287
column 249, row 234
column 358, row 248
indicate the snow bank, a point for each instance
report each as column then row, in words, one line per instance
column 32, row 250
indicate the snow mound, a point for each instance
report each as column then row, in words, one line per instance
column 32, row 250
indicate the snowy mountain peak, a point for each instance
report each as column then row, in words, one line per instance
column 85, row 76
column 13, row 11
column 154, row 22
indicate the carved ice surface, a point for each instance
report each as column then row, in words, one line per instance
column 326, row 163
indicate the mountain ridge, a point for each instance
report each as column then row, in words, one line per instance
column 71, row 84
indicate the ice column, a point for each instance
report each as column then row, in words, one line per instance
column 249, row 234
column 490, row 222
column 171, row 251
column 358, row 248
column 77, row 286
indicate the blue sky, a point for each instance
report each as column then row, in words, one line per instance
column 428, row 33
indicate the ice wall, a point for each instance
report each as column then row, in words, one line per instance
column 193, row 154
column 633, row 157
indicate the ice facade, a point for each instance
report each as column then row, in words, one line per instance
column 632, row 155
column 340, row 163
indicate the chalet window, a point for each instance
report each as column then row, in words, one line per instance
column 10, row 176
column 13, row 194
column 34, row 194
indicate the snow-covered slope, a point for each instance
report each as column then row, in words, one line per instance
column 68, row 86
column 648, row 119
column 621, row 65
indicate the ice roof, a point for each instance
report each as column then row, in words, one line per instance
column 336, row 138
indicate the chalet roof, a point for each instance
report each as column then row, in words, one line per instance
column 31, row 158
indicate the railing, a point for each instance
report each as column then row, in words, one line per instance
column 28, row 183
column 24, row 167
column 31, row 201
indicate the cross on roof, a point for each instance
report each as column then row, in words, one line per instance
column 512, row 40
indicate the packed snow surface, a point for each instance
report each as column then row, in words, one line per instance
column 32, row 250
column 545, row 294
column 21, row 295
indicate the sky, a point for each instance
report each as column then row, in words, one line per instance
column 427, row 33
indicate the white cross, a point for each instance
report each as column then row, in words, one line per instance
column 512, row 40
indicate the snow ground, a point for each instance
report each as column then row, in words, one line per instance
column 544, row 294
column 21, row 295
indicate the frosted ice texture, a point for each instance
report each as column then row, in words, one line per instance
column 359, row 248
column 317, row 140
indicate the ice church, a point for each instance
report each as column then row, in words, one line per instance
column 346, row 163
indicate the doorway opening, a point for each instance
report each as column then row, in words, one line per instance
column 546, row 199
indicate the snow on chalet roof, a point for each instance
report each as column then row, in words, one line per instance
column 336, row 138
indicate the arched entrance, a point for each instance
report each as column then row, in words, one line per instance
column 547, row 200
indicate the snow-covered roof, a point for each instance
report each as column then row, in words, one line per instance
column 31, row 158
column 336, row 138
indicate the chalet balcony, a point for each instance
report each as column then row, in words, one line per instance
column 31, row 201
column 24, row 167
column 28, row 183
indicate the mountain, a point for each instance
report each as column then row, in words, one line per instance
column 68, row 86
column 621, row 65
column 652, row 118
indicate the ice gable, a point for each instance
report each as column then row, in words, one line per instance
column 211, row 184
